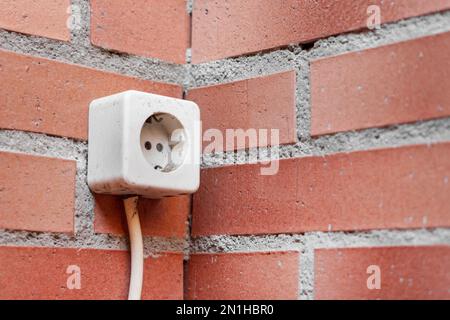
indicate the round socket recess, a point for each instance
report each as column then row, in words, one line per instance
column 163, row 142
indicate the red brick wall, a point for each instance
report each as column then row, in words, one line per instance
column 236, row 27
column 43, row 273
column 153, row 28
column 407, row 273
column 44, row 18
column 383, row 94
column 48, row 220
column 362, row 187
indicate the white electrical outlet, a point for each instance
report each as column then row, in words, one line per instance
column 144, row 144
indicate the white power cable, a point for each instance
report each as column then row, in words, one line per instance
column 137, row 248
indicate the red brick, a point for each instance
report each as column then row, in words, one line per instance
column 235, row 276
column 225, row 29
column 404, row 187
column 398, row 83
column 160, row 218
column 36, row 193
column 40, row 273
column 41, row 18
column 151, row 28
column 258, row 103
column 405, row 273
column 51, row 97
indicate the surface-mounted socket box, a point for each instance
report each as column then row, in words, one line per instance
column 144, row 144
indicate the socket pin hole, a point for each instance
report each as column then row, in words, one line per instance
column 159, row 147
column 148, row 145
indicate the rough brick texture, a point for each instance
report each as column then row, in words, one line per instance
column 404, row 187
column 258, row 103
column 41, row 273
column 51, row 97
column 224, row 29
column 393, row 84
column 163, row 218
column 262, row 275
column 151, row 28
column 405, row 273
column 41, row 18
column 36, row 193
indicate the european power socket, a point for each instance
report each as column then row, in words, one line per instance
column 143, row 144
column 163, row 142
